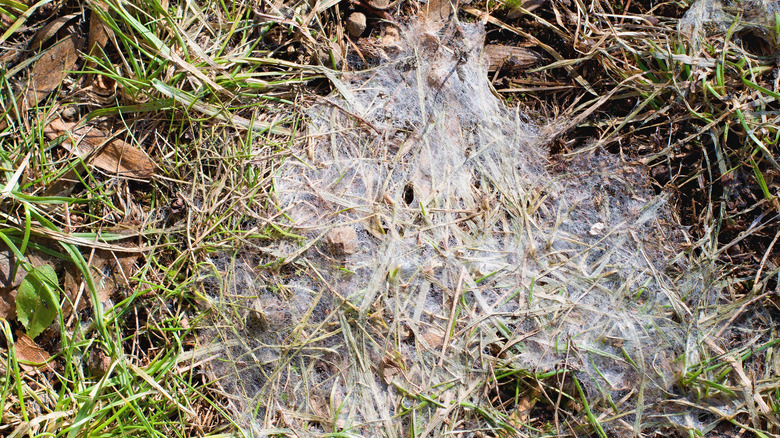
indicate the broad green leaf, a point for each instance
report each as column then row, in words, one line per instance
column 37, row 300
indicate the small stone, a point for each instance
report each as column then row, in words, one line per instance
column 70, row 113
column 379, row 4
column 596, row 229
column 341, row 241
column 356, row 24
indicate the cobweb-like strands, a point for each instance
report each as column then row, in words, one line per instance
column 465, row 256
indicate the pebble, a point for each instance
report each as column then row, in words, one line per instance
column 341, row 241
column 356, row 24
column 379, row 4
column 70, row 113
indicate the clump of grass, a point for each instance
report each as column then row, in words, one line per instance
column 700, row 111
column 193, row 86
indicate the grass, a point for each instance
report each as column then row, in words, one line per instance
column 208, row 135
column 214, row 93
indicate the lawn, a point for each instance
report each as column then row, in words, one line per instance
column 371, row 218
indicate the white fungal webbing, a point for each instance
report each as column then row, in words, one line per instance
column 472, row 257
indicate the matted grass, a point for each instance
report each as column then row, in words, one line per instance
column 215, row 95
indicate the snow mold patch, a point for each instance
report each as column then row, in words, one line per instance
column 428, row 243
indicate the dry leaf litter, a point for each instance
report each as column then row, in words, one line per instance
column 438, row 245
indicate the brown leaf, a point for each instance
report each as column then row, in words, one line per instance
column 379, row 4
column 6, row 20
column 104, row 85
column 342, row 241
column 50, row 70
column 109, row 269
column 109, row 154
column 122, row 263
column 28, row 351
column 98, row 362
column 522, row 7
column 391, row 370
column 433, row 339
column 318, row 406
column 98, row 33
column 49, row 31
column 47, row 74
column 63, row 185
column 8, row 262
column 504, row 57
column 8, row 303
column 106, row 283
column 71, row 286
column 522, row 412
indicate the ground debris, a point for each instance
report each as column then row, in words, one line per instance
column 501, row 56
column 30, row 354
column 103, row 151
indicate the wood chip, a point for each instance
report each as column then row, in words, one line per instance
column 112, row 155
